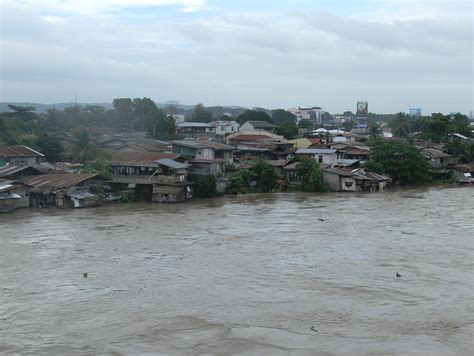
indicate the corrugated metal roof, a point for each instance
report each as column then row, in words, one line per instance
column 193, row 124
column 338, row 171
column 314, row 151
column 224, row 123
column 138, row 159
column 203, row 143
column 346, row 162
column 18, row 151
column 9, row 170
column 9, row 196
column 250, row 137
column 49, row 182
column 81, row 195
column 5, row 186
column 171, row 163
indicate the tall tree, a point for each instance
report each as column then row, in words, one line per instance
column 26, row 113
column 49, row 146
column 252, row 115
column 281, row 116
column 200, row 114
column 401, row 161
column 400, row 125
column 124, row 111
column 83, row 147
column 311, row 175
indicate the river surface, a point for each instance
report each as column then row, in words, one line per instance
column 273, row 274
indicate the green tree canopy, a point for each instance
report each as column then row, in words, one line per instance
column 253, row 115
column 281, row 116
column 311, row 175
column 265, row 176
column 83, row 147
column 50, row 147
column 200, row 114
column 206, row 188
column 400, row 125
column 401, row 161
column 288, row 130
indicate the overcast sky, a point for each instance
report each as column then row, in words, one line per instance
column 275, row 54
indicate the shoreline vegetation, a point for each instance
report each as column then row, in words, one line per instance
column 139, row 152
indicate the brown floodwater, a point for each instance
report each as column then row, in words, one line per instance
column 288, row 273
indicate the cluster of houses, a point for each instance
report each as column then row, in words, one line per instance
column 161, row 171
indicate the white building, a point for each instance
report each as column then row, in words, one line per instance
column 225, row 127
column 320, row 155
column 308, row 113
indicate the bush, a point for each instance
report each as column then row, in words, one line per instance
column 311, row 175
column 206, row 188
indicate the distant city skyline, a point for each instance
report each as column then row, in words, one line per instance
column 395, row 54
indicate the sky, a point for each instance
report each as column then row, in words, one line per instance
column 395, row 54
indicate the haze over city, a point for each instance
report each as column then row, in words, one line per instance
column 395, row 54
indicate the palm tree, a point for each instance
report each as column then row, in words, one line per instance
column 375, row 131
column 400, row 125
column 83, row 147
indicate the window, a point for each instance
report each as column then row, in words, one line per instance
column 320, row 159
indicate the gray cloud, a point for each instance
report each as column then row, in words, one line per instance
column 254, row 58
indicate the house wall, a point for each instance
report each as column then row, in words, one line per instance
column 348, row 184
column 185, row 151
column 333, row 180
column 247, row 126
column 206, row 153
column 227, row 129
column 24, row 202
column 326, row 158
column 171, row 194
column 24, row 161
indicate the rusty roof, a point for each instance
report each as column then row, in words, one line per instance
column 248, row 137
column 18, row 151
column 203, row 143
column 138, row 159
column 50, row 182
column 10, row 170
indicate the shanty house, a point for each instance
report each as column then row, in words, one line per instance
column 19, row 155
column 153, row 176
column 352, row 180
column 196, row 129
column 56, row 189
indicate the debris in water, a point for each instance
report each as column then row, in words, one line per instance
column 313, row 329
column 84, row 275
column 398, row 274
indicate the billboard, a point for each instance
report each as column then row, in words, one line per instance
column 415, row 112
column 362, row 109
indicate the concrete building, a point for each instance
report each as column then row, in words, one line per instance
column 320, row 155
column 313, row 113
column 224, row 128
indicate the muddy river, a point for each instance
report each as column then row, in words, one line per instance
column 268, row 274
